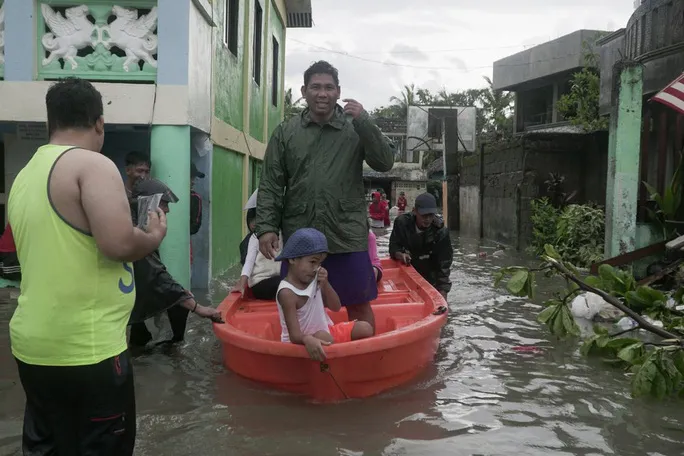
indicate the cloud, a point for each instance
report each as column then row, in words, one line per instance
column 451, row 44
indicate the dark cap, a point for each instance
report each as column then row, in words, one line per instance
column 426, row 204
column 149, row 187
column 194, row 172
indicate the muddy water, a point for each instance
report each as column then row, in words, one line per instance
column 481, row 397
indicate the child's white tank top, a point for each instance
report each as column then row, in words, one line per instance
column 312, row 316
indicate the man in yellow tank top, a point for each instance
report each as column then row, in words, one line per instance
column 76, row 243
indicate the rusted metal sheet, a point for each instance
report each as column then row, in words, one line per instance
column 631, row 257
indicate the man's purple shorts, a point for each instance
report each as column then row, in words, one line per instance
column 351, row 276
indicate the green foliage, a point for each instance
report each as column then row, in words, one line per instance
column 557, row 316
column 577, row 231
column 669, row 203
column 657, row 369
column 613, row 281
column 544, row 221
column 581, row 104
column 580, row 234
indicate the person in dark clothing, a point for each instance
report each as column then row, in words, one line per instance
column 137, row 168
column 195, row 200
column 195, row 204
column 156, row 290
column 250, row 219
column 420, row 238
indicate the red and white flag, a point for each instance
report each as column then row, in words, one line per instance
column 672, row 95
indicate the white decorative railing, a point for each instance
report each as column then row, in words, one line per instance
column 98, row 41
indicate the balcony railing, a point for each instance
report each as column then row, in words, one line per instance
column 2, row 39
column 101, row 40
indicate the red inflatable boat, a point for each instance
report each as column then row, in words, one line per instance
column 409, row 315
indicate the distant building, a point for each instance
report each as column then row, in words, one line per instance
column 540, row 76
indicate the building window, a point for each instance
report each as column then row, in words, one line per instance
column 276, row 69
column 258, row 29
column 230, row 26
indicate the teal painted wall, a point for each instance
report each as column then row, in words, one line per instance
column 256, row 91
column 227, row 217
column 228, row 68
column 276, row 30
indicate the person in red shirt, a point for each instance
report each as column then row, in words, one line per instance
column 401, row 202
column 376, row 211
column 9, row 263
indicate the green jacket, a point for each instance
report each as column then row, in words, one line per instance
column 312, row 176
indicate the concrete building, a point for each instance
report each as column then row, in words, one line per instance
column 202, row 82
column 645, row 138
column 539, row 76
column 498, row 184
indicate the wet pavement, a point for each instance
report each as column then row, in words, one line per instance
column 481, row 397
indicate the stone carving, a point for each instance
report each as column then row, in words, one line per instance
column 134, row 35
column 69, row 34
column 2, row 33
column 82, row 27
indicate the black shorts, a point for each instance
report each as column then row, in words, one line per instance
column 79, row 410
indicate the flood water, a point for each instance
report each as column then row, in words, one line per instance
column 481, row 397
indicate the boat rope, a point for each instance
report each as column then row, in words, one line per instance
column 326, row 368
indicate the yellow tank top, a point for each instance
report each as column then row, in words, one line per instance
column 75, row 302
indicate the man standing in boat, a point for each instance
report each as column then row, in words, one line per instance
column 312, row 177
column 419, row 238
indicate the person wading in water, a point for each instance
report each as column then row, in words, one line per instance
column 312, row 177
column 75, row 242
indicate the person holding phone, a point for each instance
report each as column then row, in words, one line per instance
column 157, row 290
column 313, row 177
column 420, row 239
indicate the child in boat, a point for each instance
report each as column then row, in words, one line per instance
column 304, row 294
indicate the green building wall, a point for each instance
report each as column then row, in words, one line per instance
column 277, row 31
column 228, row 68
column 256, row 116
column 227, row 216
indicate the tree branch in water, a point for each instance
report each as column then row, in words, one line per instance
column 614, row 302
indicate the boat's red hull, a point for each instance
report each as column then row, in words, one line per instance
column 409, row 316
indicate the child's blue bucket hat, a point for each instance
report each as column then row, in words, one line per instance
column 304, row 242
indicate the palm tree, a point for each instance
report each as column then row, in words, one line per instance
column 292, row 108
column 408, row 98
column 496, row 104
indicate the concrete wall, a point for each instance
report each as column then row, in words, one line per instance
column 514, row 175
column 199, row 74
column 557, row 56
column 611, row 50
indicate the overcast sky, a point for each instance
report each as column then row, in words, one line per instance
column 433, row 43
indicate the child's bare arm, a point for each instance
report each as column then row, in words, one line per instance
column 330, row 298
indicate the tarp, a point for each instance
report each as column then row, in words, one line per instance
column 672, row 95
